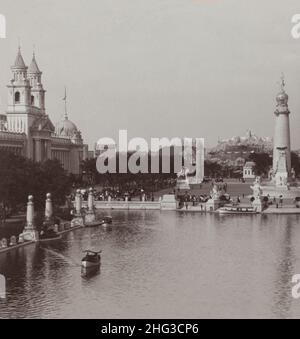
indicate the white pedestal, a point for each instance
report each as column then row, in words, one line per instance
column 257, row 204
column 78, row 221
column 212, row 205
column 168, row 202
column 90, row 217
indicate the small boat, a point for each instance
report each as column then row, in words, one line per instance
column 58, row 237
column 237, row 210
column 91, row 259
column 94, row 223
column 89, row 272
column 107, row 221
column 101, row 222
column 49, row 235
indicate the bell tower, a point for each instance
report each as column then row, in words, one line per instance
column 37, row 98
column 19, row 93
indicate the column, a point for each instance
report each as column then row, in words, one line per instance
column 48, row 207
column 38, row 150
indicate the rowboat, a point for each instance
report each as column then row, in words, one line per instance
column 94, row 223
column 237, row 210
column 49, row 235
column 106, row 221
column 102, row 222
column 91, row 259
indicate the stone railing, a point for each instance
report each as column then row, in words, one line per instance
column 128, row 205
column 11, row 243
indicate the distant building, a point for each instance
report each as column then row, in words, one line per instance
column 91, row 154
column 103, row 148
column 249, row 170
column 27, row 130
column 238, row 149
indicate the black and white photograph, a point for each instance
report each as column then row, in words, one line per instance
column 149, row 162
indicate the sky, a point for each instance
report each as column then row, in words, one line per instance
column 159, row 68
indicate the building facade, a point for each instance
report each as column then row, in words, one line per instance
column 249, row 170
column 27, row 130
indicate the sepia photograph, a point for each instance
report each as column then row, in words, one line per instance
column 149, row 162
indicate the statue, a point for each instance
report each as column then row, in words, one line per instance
column 30, row 232
column 215, row 192
column 257, row 191
column 90, row 216
column 182, row 175
column 182, row 179
column 78, row 219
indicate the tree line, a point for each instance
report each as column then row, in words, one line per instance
column 21, row 177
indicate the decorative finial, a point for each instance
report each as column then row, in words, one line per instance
column 33, row 51
column 19, row 44
column 282, row 85
column 65, row 100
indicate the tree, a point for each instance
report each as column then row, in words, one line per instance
column 212, row 168
column 296, row 163
column 263, row 162
column 21, row 177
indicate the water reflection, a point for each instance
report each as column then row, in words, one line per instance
column 89, row 272
column 285, row 269
column 160, row 265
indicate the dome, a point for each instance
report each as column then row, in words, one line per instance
column 282, row 98
column 66, row 128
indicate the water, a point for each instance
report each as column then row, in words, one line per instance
column 161, row 265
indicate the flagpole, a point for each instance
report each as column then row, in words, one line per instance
column 65, row 99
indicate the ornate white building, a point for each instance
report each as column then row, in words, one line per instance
column 27, row 130
column 237, row 150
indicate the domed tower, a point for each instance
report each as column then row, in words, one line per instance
column 19, row 92
column 19, row 87
column 282, row 138
column 66, row 128
column 37, row 98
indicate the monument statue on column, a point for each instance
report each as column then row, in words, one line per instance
column 90, row 216
column 182, row 180
column 30, row 232
column 257, row 195
column 78, row 219
column 282, row 179
column 214, row 202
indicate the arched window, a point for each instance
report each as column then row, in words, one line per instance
column 17, row 97
column 32, row 100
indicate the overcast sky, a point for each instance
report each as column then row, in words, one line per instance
column 203, row 68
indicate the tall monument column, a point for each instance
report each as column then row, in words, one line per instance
column 30, row 232
column 282, row 137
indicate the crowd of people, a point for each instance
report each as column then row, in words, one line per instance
column 109, row 194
